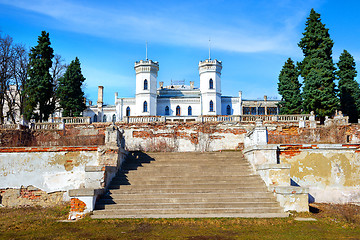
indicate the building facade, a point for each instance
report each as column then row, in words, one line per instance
column 178, row 99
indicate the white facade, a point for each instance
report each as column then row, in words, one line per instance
column 176, row 99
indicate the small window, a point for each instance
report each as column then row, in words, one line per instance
column 104, row 118
column 113, row 118
column 167, row 111
column 145, row 84
column 189, row 111
column 272, row 111
column 211, row 84
column 178, row 112
column 261, row 111
column 128, row 111
column 95, row 118
column 211, row 106
column 145, row 109
column 228, row 110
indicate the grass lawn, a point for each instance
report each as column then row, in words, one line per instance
column 333, row 222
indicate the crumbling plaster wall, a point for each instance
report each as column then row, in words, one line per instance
column 331, row 171
column 51, row 169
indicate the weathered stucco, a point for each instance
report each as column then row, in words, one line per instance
column 49, row 170
column 332, row 172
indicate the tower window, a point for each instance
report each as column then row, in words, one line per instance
column 211, row 106
column 189, row 111
column 228, row 110
column 95, row 118
column 104, row 118
column 128, row 111
column 167, row 111
column 145, row 109
column 113, row 118
column 145, row 84
column 211, row 84
column 178, row 112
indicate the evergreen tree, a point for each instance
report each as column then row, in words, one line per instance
column 348, row 87
column 39, row 87
column 69, row 90
column 317, row 68
column 289, row 89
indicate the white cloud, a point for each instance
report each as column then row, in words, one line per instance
column 132, row 25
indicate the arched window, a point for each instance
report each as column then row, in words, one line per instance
column 211, row 106
column 114, row 118
column 189, row 111
column 128, row 111
column 228, row 110
column 104, row 118
column 95, row 118
column 145, row 84
column 178, row 112
column 145, row 107
column 167, row 111
column 211, row 84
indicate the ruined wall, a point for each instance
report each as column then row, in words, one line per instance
column 331, row 171
column 72, row 135
column 290, row 134
column 184, row 136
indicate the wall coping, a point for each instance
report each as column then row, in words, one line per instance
column 273, row 166
column 285, row 190
column 47, row 149
column 83, row 192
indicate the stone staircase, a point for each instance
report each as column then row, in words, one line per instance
column 168, row 185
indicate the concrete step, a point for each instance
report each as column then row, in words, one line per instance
column 188, row 211
column 167, row 185
column 187, row 199
column 196, row 215
column 197, row 195
column 144, row 181
column 128, row 206
column 188, row 190
column 186, row 173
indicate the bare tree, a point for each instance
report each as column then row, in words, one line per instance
column 57, row 71
column 14, row 96
column 6, row 58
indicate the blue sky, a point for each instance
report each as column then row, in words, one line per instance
column 252, row 38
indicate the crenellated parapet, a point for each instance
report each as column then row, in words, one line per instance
column 209, row 65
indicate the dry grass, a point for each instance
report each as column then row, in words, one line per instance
column 334, row 222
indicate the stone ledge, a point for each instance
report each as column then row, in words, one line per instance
column 83, row 192
column 285, row 190
column 94, row 168
column 273, row 166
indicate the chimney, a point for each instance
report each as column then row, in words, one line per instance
column 240, row 95
column 90, row 102
column 161, row 84
column 100, row 95
column 85, row 100
column 116, row 97
column 265, row 98
column 191, row 84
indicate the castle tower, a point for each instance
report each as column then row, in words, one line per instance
column 146, row 87
column 210, row 86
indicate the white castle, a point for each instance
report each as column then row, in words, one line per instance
column 177, row 100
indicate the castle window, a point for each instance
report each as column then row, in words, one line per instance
column 114, row 118
column 211, row 84
column 189, row 111
column 167, row 111
column 272, row 111
column 178, row 112
column 128, row 111
column 145, row 84
column 211, row 106
column 104, row 118
column 145, row 109
column 95, row 118
column 228, row 110
column 261, row 111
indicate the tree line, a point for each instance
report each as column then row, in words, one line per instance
column 319, row 92
column 36, row 83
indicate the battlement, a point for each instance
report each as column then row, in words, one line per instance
column 209, row 65
column 146, row 66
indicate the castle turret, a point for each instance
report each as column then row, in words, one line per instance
column 146, row 87
column 210, row 86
